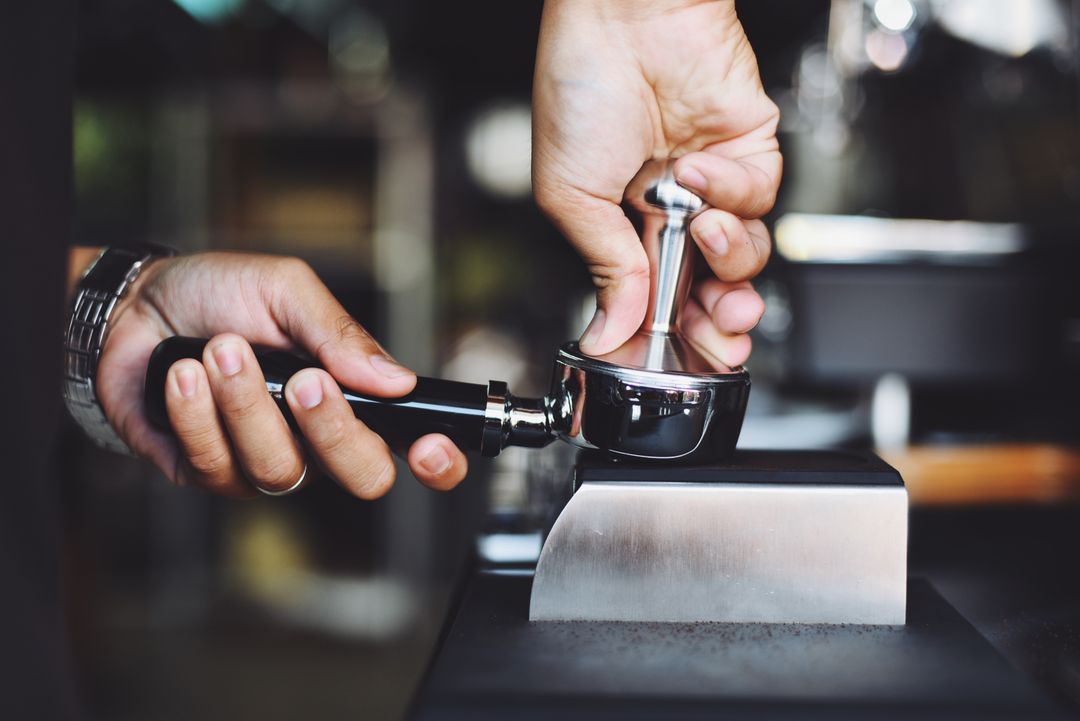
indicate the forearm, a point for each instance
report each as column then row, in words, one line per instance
column 79, row 259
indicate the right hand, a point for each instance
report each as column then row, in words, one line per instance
column 230, row 437
column 620, row 82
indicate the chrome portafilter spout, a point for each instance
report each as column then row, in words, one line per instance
column 656, row 398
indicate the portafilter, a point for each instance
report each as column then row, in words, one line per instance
column 656, row 398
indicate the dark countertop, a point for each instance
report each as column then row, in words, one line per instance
column 1014, row 573
column 1009, row 571
column 494, row 664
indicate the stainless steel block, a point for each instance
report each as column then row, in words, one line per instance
column 768, row 551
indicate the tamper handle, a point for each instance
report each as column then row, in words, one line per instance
column 666, row 210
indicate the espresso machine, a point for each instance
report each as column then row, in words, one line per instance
column 680, row 578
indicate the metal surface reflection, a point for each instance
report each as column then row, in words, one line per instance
column 642, row 414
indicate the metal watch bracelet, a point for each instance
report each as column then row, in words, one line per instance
column 102, row 286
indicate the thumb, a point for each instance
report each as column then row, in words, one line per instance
column 606, row 240
column 315, row 320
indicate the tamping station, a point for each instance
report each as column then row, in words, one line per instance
column 756, row 584
column 659, row 528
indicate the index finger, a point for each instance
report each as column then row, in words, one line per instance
column 309, row 313
column 746, row 186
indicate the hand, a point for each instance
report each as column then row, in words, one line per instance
column 619, row 82
column 230, row 436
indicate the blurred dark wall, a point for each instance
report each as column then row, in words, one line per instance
column 272, row 128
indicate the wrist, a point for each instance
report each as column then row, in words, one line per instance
column 135, row 294
column 98, row 294
column 79, row 260
column 633, row 9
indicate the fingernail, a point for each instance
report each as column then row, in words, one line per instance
column 692, row 178
column 227, row 357
column 592, row 334
column 308, row 391
column 186, row 382
column 714, row 238
column 436, row 461
column 388, row 368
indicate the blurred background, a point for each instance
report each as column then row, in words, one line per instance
column 923, row 300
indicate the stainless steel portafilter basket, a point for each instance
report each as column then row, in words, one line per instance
column 656, row 398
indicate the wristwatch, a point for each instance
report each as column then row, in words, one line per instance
column 102, row 286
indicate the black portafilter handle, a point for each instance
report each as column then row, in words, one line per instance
column 473, row 416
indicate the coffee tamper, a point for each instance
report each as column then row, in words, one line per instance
column 656, row 398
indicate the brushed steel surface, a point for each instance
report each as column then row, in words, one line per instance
column 664, row 352
column 726, row 552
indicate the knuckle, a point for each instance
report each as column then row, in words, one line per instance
column 190, row 364
column 219, row 338
column 761, row 192
column 183, row 417
column 765, row 202
column 206, row 452
column 332, row 436
column 377, row 478
column 349, row 337
column 194, row 426
column 209, row 460
column 746, row 349
column 239, row 406
column 757, row 304
column 637, row 267
column 349, row 329
column 764, row 253
column 626, row 269
column 279, row 470
column 772, row 115
column 772, row 193
column 698, row 326
column 294, row 267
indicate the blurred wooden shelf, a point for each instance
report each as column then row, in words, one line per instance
column 990, row 474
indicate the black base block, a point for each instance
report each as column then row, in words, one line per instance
column 853, row 468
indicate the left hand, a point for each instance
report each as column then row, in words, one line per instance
column 619, row 82
column 228, row 436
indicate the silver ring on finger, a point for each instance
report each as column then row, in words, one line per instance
column 291, row 489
